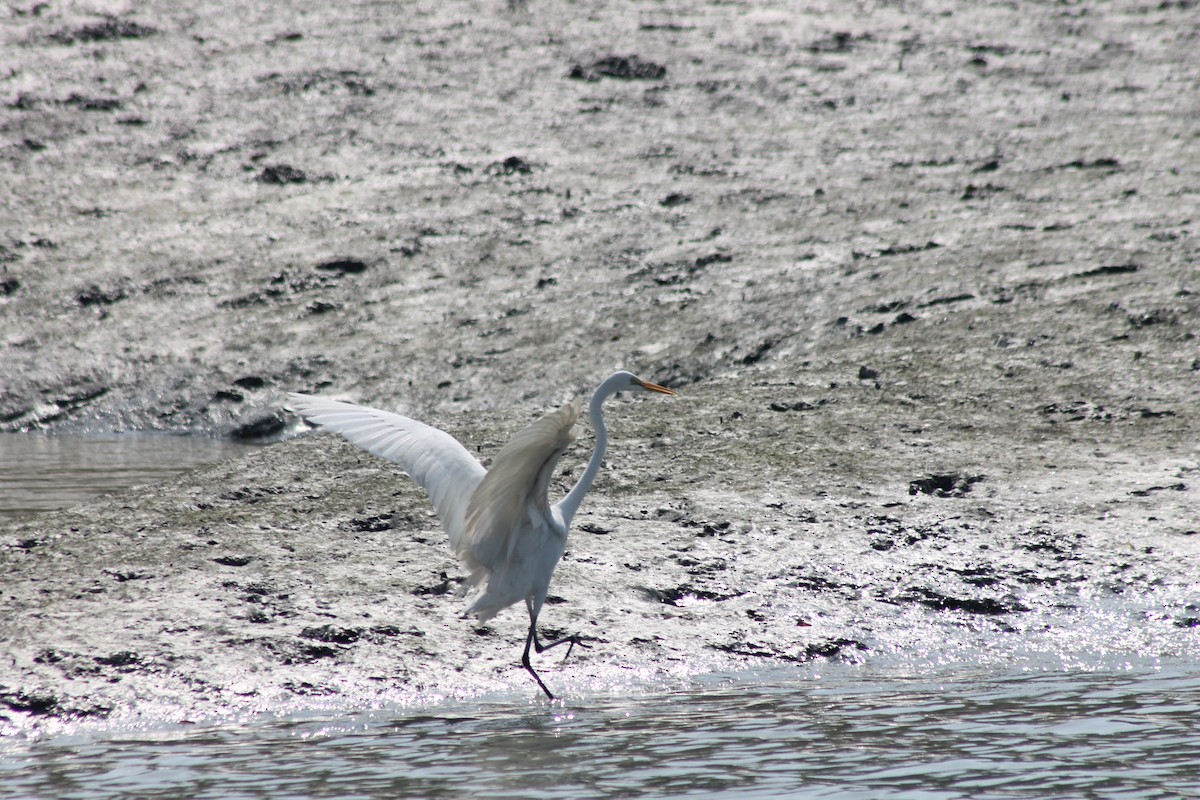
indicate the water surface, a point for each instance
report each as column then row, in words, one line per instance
column 40, row 472
column 1127, row 730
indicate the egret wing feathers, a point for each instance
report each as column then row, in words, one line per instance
column 434, row 459
column 512, row 497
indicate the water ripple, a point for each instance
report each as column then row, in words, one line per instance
column 850, row 731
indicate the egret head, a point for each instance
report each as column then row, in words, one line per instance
column 627, row 381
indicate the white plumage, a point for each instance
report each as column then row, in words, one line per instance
column 432, row 457
column 500, row 522
column 513, row 537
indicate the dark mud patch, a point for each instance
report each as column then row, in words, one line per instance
column 1112, row 269
column 841, row 649
column 945, row 485
column 629, row 68
column 798, row 405
column 369, row 524
column 681, row 595
column 282, row 175
column 447, row 585
column 332, row 634
column 343, row 266
column 263, row 427
column 513, row 165
column 110, row 30
column 930, row 598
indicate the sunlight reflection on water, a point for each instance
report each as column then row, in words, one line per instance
column 840, row 731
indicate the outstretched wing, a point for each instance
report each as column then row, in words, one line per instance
column 432, row 457
column 514, row 489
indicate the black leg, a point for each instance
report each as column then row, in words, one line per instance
column 529, row 640
column 532, row 641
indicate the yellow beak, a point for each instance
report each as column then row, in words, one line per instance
column 653, row 387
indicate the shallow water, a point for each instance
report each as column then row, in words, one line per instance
column 41, row 473
column 1127, row 730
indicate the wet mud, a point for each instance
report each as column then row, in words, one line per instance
column 924, row 278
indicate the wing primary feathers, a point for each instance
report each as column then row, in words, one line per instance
column 434, row 459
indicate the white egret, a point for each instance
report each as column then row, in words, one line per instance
column 500, row 522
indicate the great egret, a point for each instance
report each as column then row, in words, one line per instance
column 500, row 522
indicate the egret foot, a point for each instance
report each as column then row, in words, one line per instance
column 532, row 641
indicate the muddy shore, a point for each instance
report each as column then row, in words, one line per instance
column 924, row 277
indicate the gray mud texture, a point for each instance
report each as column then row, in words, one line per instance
column 922, row 273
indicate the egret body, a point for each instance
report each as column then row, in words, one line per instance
column 500, row 522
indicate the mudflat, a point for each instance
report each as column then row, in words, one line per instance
column 923, row 275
